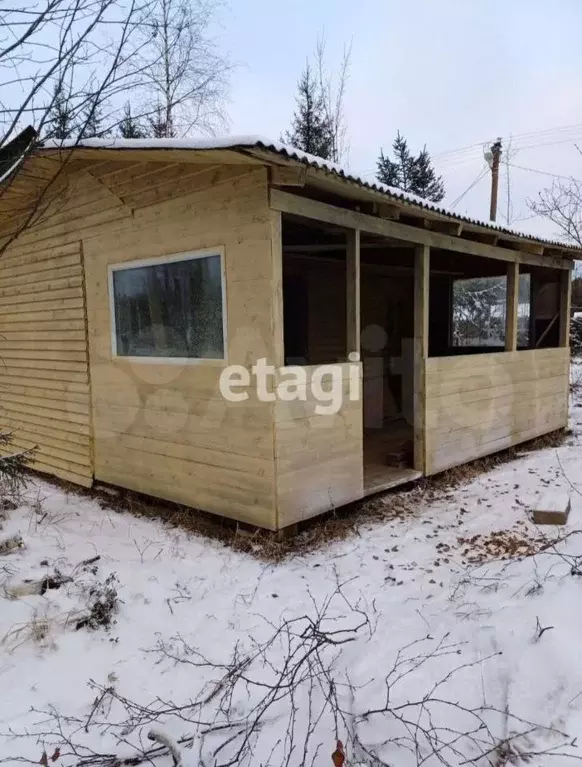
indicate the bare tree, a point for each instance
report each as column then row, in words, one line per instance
column 76, row 51
column 508, row 156
column 562, row 205
column 184, row 76
column 333, row 90
column 63, row 63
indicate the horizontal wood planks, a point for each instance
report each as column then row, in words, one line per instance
column 319, row 457
column 165, row 429
column 44, row 379
column 479, row 404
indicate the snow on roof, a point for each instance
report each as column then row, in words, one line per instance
column 11, row 169
column 250, row 142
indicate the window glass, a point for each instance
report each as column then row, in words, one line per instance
column 172, row 309
column 479, row 305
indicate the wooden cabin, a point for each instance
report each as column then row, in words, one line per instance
column 135, row 271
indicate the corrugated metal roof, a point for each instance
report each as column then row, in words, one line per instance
column 399, row 196
column 246, row 143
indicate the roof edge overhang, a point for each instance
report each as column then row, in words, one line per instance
column 410, row 206
column 319, row 174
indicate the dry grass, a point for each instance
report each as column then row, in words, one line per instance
column 406, row 501
column 35, row 630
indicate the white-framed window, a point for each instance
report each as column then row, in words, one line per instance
column 170, row 308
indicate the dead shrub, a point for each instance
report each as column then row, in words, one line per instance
column 103, row 605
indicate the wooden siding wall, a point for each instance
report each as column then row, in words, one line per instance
column 165, row 429
column 161, row 429
column 44, row 378
column 319, row 457
column 479, row 404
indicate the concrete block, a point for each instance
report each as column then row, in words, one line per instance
column 551, row 508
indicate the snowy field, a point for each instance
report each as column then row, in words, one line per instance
column 451, row 636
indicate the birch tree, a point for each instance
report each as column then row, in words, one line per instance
column 333, row 91
column 319, row 126
column 183, row 74
column 77, row 50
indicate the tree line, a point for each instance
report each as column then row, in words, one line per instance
column 179, row 86
column 152, row 68
column 318, row 128
column 98, row 68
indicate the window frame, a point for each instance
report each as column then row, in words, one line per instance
column 475, row 349
column 171, row 258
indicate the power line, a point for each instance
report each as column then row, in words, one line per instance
column 473, row 184
column 547, row 132
column 544, row 172
column 568, row 140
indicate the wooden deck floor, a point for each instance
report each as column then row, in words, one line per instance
column 378, row 477
column 387, row 457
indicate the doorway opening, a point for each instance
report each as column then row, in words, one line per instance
column 387, row 353
column 315, row 284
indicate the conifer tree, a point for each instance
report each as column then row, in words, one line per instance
column 92, row 123
column 410, row 173
column 160, row 125
column 60, row 119
column 424, row 181
column 396, row 172
column 311, row 130
column 129, row 127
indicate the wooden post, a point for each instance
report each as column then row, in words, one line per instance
column 511, row 307
column 353, row 290
column 495, row 158
column 421, row 299
column 277, row 289
column 565, row 301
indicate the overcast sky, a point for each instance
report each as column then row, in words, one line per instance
column 448, row 73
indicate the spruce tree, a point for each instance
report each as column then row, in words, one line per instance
column 160, row 126
column 311, row 130
column 92, row 123
column 396, row 172
column 60, row 117
column 425, row 182
column 409, row 173
column 129, row 127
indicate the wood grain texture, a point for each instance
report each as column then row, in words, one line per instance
column 420, row 352
column 44, row 394
column 353, row 311
column 165, row 429
column 512, row 307
column 477, row 405
column 320, row 211
column 319, row 456
column 565, row 304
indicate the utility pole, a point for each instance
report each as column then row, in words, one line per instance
column 494, row 165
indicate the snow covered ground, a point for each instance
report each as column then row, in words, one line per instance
column 449, row 636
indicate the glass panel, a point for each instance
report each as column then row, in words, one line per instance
column 170, row 310
column 524, row 310
column 479, row 306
